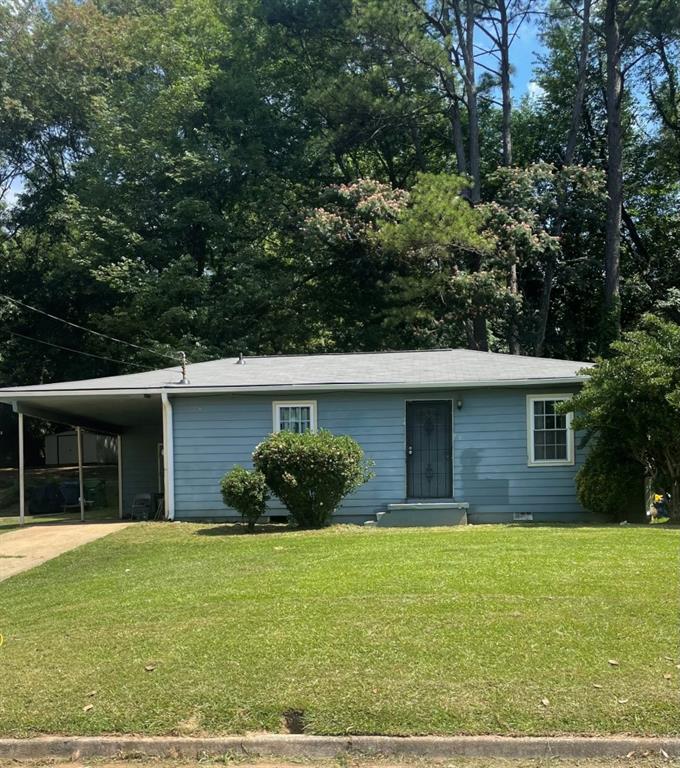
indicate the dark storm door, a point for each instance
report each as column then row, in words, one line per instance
column 428, row 449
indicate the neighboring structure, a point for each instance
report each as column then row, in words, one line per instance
column 61, row 449
column 454, row 434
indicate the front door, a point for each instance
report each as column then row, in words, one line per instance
column 428, row 449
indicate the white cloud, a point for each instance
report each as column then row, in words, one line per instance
column 534, row 90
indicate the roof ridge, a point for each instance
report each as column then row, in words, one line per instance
column 385, row 352
column 337, row 354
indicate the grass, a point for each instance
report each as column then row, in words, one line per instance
column 180, row 628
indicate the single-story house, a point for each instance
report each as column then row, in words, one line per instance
column 455, row 434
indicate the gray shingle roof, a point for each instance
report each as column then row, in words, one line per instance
column 428, row 368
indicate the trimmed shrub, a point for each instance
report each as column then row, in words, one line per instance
column 246, row 492
column 610, row 484
column 311, row 472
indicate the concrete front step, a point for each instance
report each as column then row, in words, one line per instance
column 423, row 513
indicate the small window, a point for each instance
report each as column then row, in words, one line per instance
column 549, row 435
column 295, row 417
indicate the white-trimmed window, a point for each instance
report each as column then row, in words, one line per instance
column 550, row 438
column 295, row 416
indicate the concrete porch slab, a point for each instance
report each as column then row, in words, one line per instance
column 423, row 513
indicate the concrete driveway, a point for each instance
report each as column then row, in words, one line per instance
column 24, row 548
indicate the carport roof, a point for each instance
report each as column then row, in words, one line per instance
column 371, row 370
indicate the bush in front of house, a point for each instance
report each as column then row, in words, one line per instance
column 311, row 472
column 630, row 407
column 611, row 484
column 246, row 492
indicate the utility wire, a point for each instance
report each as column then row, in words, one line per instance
column 77, row 351
column 88, row 330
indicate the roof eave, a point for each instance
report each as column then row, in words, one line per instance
column 10, row 396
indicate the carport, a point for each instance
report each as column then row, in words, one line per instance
column 138, row 420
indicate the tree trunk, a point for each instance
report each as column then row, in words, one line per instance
column 471, row 97
column 569, row 152
column 506, row 140
column 544, row 307
column 577, row 106
column 614, row 173
column 674, row 505
column 506, row 131
column 513, row 335
column 452, row 91
column 457, row 134
column 464, row 19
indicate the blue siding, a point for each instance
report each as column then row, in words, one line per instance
column 491, row 461
column 214, row 432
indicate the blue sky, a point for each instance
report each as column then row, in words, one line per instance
column 523, row 58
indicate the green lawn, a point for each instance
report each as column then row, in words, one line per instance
column 463, row 630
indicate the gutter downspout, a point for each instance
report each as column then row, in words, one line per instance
column 168, row 458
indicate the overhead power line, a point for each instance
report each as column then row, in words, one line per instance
column 88, row 330
column 77, row 351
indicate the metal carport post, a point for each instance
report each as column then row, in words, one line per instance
column 22, row 490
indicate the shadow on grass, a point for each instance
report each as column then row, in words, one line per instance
column 667, row 525
column 239, row 529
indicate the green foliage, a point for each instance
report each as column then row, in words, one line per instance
column 444, row 278
column 311, row 472
column 522, row 220
column 438, row 219
column 610, row 483
column 166, row 167
column 632, row 401
column 246, row 492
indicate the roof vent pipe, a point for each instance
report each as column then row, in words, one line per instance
column 183, row 361
column 241, row 360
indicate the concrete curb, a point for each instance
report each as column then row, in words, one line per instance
column 295, row 746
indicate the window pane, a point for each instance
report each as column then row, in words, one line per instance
column 295, row 418
column 550, row 433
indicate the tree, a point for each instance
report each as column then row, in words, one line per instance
column 526, row 204
column 631, row 402
column 446, row 288
column 168, row 161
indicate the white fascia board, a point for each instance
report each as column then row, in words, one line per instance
column 191, row 389
column 168, row 458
